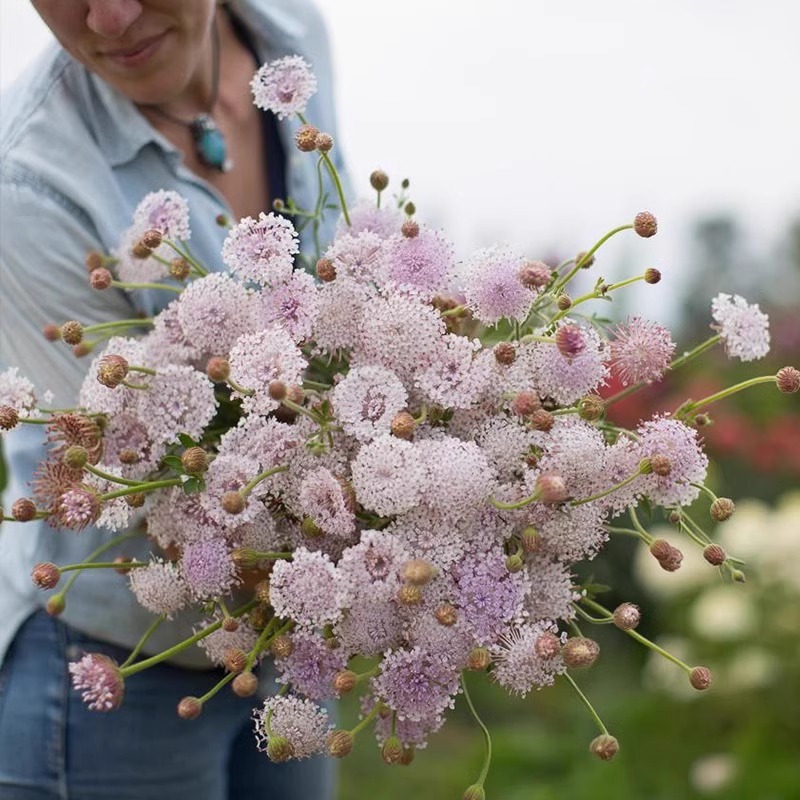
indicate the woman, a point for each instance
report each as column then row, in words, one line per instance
column 114, row 113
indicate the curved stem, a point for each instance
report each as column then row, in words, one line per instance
column 142, row 487
column 174, row 650
column 259, row 478
column 487, row 737
column 585, row 700
column 108, row 477
column 166, row 286
column 712, row 398
column 140, row 644
column 586, row 256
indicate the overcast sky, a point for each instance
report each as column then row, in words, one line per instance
column 543, row 124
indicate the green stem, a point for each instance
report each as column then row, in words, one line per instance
column 140, row 644
column 589, row 707
column 175, row 649
column 241, row 389
column 638, row 636
column 367, row 720
column 587, row 256
column 142, row 487
column 259, row 478
column 185, row 253
column 487, row 760
column 104, row 565
column 166, row 286
column 98, row 552
column 648, row 539
column 119, row 323
column 614, row 488
column 112, row 478
column 712, row 398
column 335, row 177
column 526, row 501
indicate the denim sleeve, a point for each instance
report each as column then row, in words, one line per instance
column 43, row 280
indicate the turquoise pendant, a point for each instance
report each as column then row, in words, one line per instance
column 210, row 143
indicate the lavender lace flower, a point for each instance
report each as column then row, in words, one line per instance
column 262, row 250
column 284, row 86
column 493, row 287
column 641, row 351
column 159, row 587
column 744, row 327
column 302, row 722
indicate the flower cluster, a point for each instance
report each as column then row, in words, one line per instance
column 417, row 446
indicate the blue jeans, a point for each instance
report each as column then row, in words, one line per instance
column 53, row 748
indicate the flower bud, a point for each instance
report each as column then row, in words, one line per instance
column 378, row 180
column 564, row 302
column 194, row 460
column 190, row 708
column 128, row 456
column 279, row 748
column 525, row 403
column 326, row 271
column 739, row 576
column 23, row 510
column 535, row 275
column 344, row 681
column 661, row 465
column 152, row 238
column 71, row 332
column 136, row 499
column 505, row 353
column 582, row 259
column 478, row 659
column 542, row 420
column 140, row 250
column 547, row 646
column 9, row 418
column 410, row 229
column 261, row 592
column 715, row 555
column 652, row 275
column 234, row 660
column 245, row 684
column 51, row 332
column 514, row 563
column 410, row 209
column 282, row 646
column 580, row 652
column 277, row 390
column 56, row 605
column 179, row 269
column 218, row 369
column 788, row 380
column 570, row 340
column 222, row 220
column 409, row 595
column 100, row 279
column 324, row 142
column 668, row 557
column 591, row 407
column 230, row 624
column 122, row 560
column 645, row 224
column 340, row 743
column 112, row 370
column 295, row 394
column 403, row 425
column 700, row 678
column 233, row 502
column 46, row 575
column 446, row 614
column 94, row 260
column 627, row 616
column 722, row 508
column 530, row 539
column 675, row 516
column 75, row 457
column 306, row 138
column 392, row 751
column 551, row 488
column 408, row 756
column 310, row 529
column 645, row 466
column 701, row 420
column 605, row 746
column 418, row 572
column 474, row 792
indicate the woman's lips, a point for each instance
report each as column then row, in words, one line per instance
column 138, row 54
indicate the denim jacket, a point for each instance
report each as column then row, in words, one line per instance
column 76, row 157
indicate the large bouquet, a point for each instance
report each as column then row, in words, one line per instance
column 400, row 462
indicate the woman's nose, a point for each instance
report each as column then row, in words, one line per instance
column 112, row 18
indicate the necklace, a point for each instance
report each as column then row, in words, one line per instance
column 209, row 143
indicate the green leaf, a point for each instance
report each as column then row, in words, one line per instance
column 193, row 486
column 186, row 441
column 173, row 462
